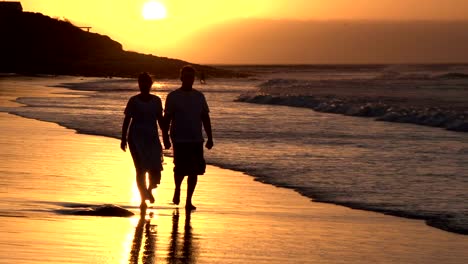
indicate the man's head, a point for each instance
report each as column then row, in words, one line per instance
column 145, row 82
column 187, row 76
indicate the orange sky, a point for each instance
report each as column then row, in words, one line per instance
column 187, row 21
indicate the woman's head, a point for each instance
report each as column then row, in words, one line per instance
column 145, row 82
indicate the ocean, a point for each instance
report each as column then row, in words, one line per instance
column 394, row 168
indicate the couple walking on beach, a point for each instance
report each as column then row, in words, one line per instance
column 185, row 112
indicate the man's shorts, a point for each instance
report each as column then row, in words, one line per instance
column 188, row 159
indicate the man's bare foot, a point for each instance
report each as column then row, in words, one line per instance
column 190, row 207
column 176, row 198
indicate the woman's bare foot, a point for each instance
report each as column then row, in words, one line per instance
column 150, row 196
column 143, row 205
column 176, row 198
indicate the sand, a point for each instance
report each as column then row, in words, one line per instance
column 47, row 170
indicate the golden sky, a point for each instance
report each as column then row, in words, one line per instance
column 188, row 20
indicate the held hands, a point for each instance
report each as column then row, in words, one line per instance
column 209, row 143
column 167, row 144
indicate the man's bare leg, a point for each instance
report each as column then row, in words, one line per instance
column 191, row 184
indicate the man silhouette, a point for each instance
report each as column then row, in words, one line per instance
column 186, row 111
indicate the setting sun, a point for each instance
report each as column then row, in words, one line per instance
column 153, row 10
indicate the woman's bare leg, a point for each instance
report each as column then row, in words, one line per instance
column 141, row 184
column 154, row 178
column 178, row 182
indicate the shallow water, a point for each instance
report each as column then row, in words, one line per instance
column 401, row 169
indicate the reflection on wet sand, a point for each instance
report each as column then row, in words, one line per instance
column 180, row 250
column 188, row 253
column 149, row 251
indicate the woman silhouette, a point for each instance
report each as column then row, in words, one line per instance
column 142, row 114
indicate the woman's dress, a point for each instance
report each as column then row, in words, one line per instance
column 143, row 138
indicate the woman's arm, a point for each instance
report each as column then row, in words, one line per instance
column 123, row 140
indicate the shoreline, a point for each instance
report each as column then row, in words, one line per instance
column 440, row 223
column 255, row 223
column 443, row 224
column 208, row 234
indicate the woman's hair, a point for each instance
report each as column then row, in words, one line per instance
column 144, row 77
column 144, row 81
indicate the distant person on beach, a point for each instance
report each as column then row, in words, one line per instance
column 186, row 111
column 202, row 77
column 142, row 114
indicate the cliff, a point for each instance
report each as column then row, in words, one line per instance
column 33, row 43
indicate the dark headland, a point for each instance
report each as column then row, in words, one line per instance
column 32, row 43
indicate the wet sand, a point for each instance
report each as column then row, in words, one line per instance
column 47, row 170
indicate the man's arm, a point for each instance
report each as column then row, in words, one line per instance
column 165, row 124
column 207, row 126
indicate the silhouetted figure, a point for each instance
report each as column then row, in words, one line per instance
column 185, row 112
column 202, row 77
column 142, row 114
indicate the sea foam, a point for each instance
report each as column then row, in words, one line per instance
column 384, row 101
